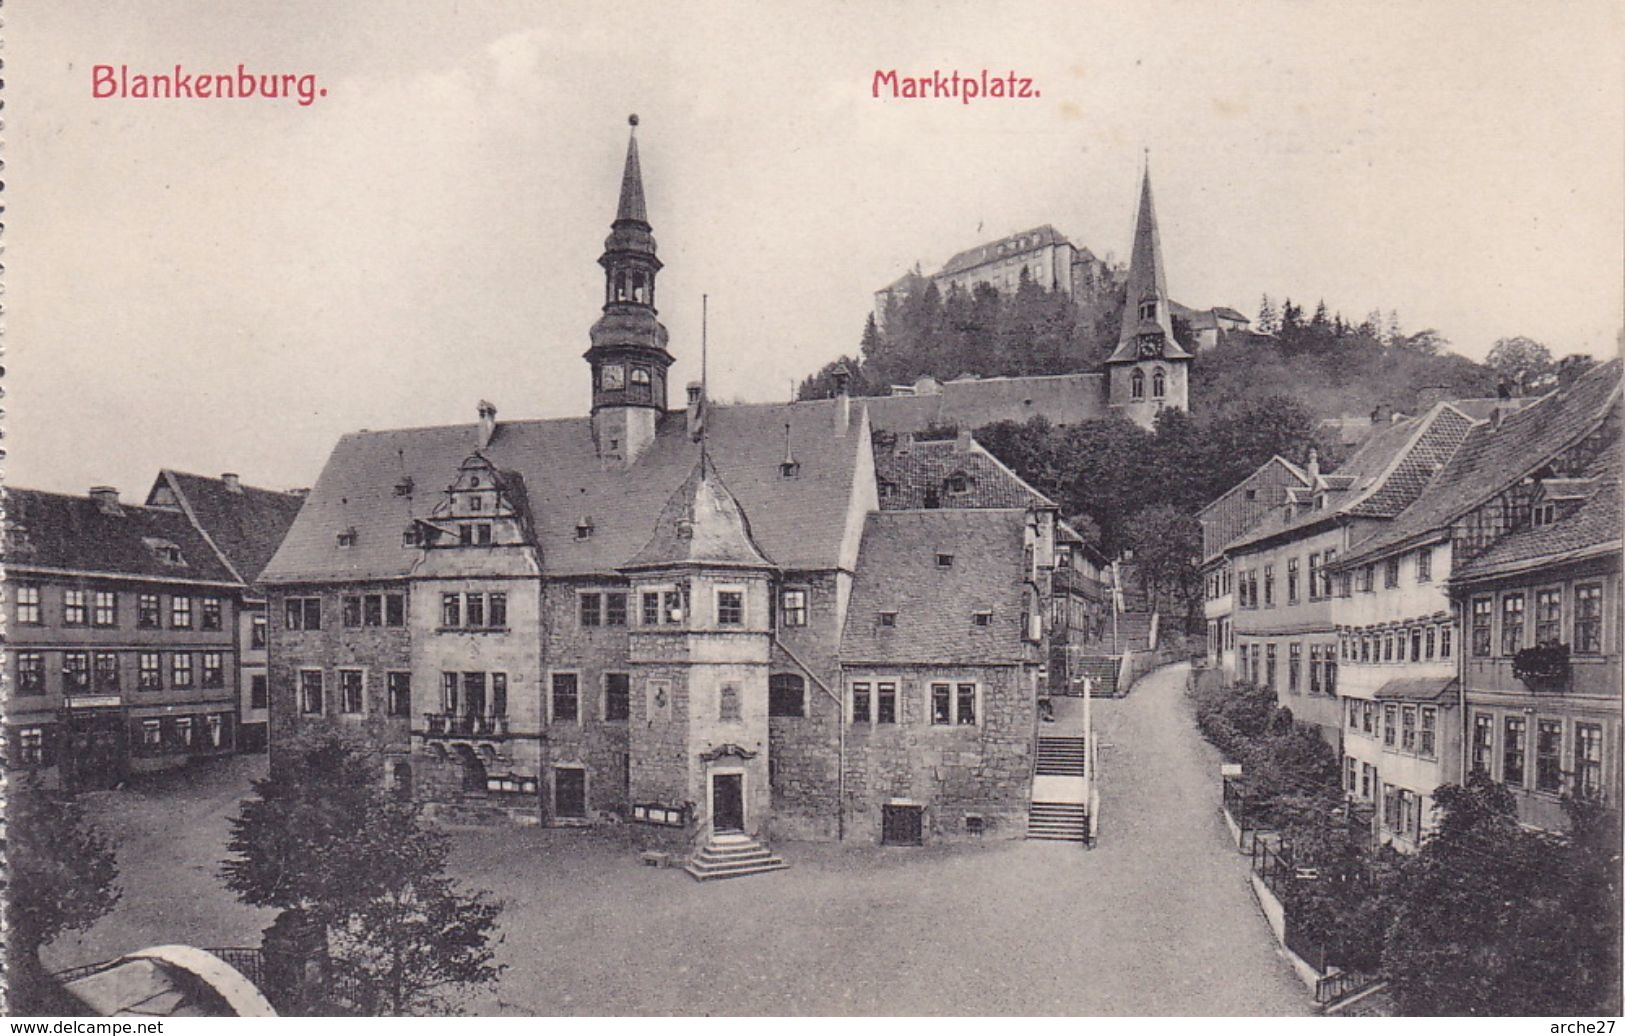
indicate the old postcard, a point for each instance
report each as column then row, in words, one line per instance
column 813, row 509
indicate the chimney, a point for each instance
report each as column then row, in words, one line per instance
column 962, row 443
column 234, row 484
column 693, row 413
column 488, row 423
column 1314, row 464
column 905, row 443
column 106, row 499
column 843, row 402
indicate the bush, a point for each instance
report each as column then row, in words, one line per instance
column 1232, row 717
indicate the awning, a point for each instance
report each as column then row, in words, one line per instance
column 1417, row 688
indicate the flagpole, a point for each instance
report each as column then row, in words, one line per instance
column 705, row 306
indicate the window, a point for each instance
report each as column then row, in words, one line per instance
column 566, row 698
column 303, row 613
column 786, row 695
column 674, row 605
column 1390, row 573
column 180, row 669
column 147, row 611
column 1368, row 717
column 1416, row 644
column 1314, row 666
column 615, row 609
column 1424, row 565
column 474, row 610
column 1543, row 514
column 1390, row 724
column 1548, row 617
column 1137, row 384
column 617, row 697
column 1430, row 729
column 1388, row 647
column 372, row 610
column 350, row 611
column 1291, row 580
column 1331, row 672
column 1407, row 728
column 651, row 608
column 1159, row 384
column 941, row 704
column 1269, row 586
column 1326, row 575
column 210, row 613
column 394, row 609
column 183, row 731
column 860, row 703
column 1368, row 781
column 591, row 609
column 1269, row 666
column 1428, row 642
column 1588, row 760
column 1588, row 619
column 28, row 606
column 730, row 607
column 474, row 694
column 1314, row 578
column 1365, row 649
column 105, row 608
column 728, row 703
column 497, row 611
column 1512, row 750
column 30, row 672
column 257, row 631
column 258, row 692
column 149, row 673
column 1511, row 624
column 214, row 671
column 1548, row 755
column 1483, row 741
column 1294, row 666
column 451, row 610
column 310, row 692
column 350, row 692
column 180, row 613
column 448, row 693
column 73, row 608
column 30, row 746
column 106, row 671
column 794, row 608
column 965, row 705
column 885, row 702
column 499, row 694
column 1350, row 774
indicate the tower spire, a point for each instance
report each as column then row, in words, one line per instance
column 632, row 208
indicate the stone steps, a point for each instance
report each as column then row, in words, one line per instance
column 732, row 856
column 1060, row 757
column 1057, row 821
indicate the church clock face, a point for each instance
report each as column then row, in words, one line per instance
column 613, row 376
column 1150, row 348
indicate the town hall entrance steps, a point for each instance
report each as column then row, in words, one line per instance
column 732, row 855
column 1059, row 808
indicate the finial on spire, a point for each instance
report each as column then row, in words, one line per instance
column 632, row 120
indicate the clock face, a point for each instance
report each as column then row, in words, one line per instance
column 613, row 376
column 1150, row 348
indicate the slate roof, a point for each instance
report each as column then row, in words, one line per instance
column 245, row 525
column 1418, row 688
column 1146, row 279
column 1593, row 529
column 928, row 468
column 898, row 572
column 701, row 524
column 1492, row 458
column 969, row 403
column 57, row 531
column 799, row 522
column 971, row 258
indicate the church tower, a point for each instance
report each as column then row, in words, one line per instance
column 1148, row 370
column 628, row 356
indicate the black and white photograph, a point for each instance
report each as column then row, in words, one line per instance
column 1098, row 510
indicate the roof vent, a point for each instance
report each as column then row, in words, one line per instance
column 234, row 484
column 488, row 423
column 106, row 499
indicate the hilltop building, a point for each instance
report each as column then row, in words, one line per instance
column 724, row 623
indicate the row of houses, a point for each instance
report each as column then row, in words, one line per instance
column 136, row 635
column 1447, row 600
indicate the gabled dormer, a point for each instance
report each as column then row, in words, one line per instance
column 483, row 507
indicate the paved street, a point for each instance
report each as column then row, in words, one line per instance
column 1156, row 920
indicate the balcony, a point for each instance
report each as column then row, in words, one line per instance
column 450, row 724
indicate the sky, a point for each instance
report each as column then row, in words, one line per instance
column 230, row 285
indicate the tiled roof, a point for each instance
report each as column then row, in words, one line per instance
column 1443, row 432
column 799, row 522
column 246, row 525
column 929, row 468
column 970, row 258
column 1592, row 529
column 1492, row 458
column 53, row 530
column 970, row 403
column 702, row 524
column 935, row 605
column 1418, row 688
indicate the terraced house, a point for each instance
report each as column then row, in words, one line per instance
column 717, row 620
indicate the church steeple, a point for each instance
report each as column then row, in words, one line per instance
column 628, row 357
column 1148, row 370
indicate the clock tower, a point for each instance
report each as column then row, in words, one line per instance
column 1148, row 370
column 628, row 357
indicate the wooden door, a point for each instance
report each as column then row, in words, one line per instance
column 727, row 802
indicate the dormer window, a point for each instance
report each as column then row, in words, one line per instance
column 888, row 619
column 982, row 618
column 1148, row 309
column 347, row 538
column 945, row 561
column 790, row 469
column 165, row 551
column 410, row 536
column 404, row 487
column 1543, row 514
column 957, row 484
column 584, row 528
column 475, row 503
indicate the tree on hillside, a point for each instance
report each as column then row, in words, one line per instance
column 323, row 838
column 61, row 876
column 1426, row 342
column 1167, row 548
column 1268, row 321
column 1519, row 360
column 1500, row 920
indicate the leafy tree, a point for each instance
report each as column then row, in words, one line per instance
column 1519, row 360
column 1167, row 547
column 61, row 875
column 324, row 838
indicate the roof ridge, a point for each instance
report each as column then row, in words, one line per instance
column 169, row 478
